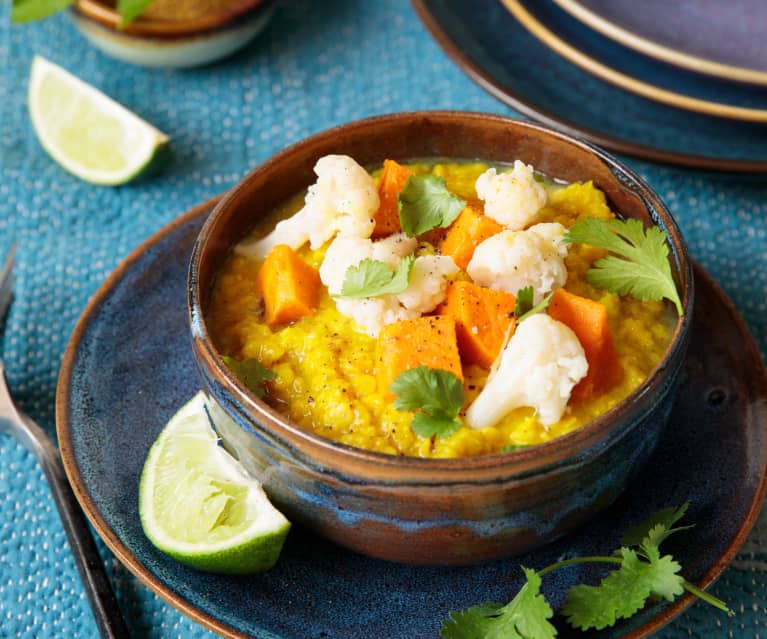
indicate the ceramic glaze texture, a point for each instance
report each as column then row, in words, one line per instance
column 435, row 511
column 733, row 33
column 445, row 521
column 319, row 587
column 643, row 75
column 496, row 51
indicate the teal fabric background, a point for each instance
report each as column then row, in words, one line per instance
column 318, row 64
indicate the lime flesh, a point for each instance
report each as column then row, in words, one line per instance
column 198, row 505
column 86, row 132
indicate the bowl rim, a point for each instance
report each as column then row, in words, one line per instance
column 563, row 450
column 109, row 17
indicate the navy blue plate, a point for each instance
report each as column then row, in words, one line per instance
column 722, row 38
column 129, row 366
column 495, row 50
column 665, row 83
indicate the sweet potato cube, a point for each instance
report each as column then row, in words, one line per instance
column 392, row 182
column 588, row 320
column 470, row 229
column 424, row 341
column 289, row 286
column 482, row 318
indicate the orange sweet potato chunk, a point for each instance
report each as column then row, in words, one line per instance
column 392, row 182
column 482, row 318
column 470, row 229
column 289, row 286
column 588, row 320
column 424, row 341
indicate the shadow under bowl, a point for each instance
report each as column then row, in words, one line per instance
column 435, row 511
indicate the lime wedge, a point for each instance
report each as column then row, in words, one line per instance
column 198, row 505
column 87, row 133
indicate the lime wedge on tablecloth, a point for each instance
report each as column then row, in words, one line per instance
column 86, row 132
column 198, row 504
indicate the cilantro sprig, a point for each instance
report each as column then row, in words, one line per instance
column 130, row 10
column 524, row 306
column 372, row 278
column 436, row 394
column 639, row 266
column 250, row 372
column 28, row 10
column 641, row 573
column 425, row 204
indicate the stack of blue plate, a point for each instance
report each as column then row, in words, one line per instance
column 682, row 82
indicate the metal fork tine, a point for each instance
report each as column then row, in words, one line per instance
column 6, row 281
column 106, row 610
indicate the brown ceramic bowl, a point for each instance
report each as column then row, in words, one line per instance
column 173, row 34
column 435, row 511
column 164, row 18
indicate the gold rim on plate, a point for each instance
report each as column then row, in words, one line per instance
column 659, row 51
column 627, row 82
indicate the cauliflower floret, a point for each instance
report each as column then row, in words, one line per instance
column 342, row 253
column 511, row 260
column 539, row 367
column 428, row 283
column 373, row 313
column 512, row 198
column 427, row 287
column 393, row 248
column 345, row 252
column 342, row 201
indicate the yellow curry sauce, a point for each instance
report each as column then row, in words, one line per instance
column 325, row 367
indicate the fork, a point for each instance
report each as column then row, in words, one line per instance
column 103, row 602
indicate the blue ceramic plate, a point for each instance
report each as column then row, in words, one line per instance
column 503, row 57
column 724, row 39
column 634, row 72
column 129, row 366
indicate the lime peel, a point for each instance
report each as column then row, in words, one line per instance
column 199, row 505
column 86, row 132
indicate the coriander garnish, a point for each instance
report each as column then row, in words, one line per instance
column 640, row 574
column 250, row 372
column 524, row 307
column 28, row 10
column 640, row 266
column 372, row 278
column 436, row 394
column 425, row 204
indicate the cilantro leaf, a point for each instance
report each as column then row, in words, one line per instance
column 640, row 266
column 28, row 10
column 641, row 573
column 507, row 448
column 476, row 622
column 655, row 528
column 666, row 583
column 130, row 10
column 538, row 308
column 439, row 394
column 372, row 278
column 624, row 591
column 524, row 617
column 250, row 372
column 430, row 425
column 435, row 391
column 524, row 301
column 425, row 204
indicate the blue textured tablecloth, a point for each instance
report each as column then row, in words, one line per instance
column 317, row 65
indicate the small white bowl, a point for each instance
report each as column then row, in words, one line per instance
column 171, row 44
